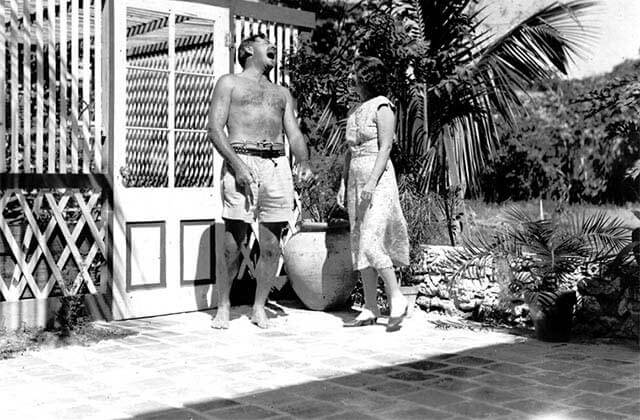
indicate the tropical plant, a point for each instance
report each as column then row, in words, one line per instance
column 467, row 78
column 549, row 251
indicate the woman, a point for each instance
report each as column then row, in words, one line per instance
column 379, row 237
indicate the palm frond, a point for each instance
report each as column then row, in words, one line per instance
column 604, row 235
column 533, row 50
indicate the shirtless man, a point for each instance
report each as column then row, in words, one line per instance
column 257, row 180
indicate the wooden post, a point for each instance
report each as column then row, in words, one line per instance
column 51, row 143
column 74, row 86
column 3, row 93
column 39, row 88
column 97, row 94
column 64, row 107
column 26, row 86
column 86, row 86
column 14, row 110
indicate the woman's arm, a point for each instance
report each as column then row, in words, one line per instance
column 344, row 181
column 385, row 123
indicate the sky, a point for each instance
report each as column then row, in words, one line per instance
column 618, row 38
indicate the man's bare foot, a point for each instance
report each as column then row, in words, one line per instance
column 221, row 321
column 259, row 317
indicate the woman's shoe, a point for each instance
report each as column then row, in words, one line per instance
column 395, row 322
column 360, row 322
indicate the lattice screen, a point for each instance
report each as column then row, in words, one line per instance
column 50, row 86
column 57, row 247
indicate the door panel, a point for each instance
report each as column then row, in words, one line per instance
column 167, row 227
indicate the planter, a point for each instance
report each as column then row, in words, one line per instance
column 410, row 293
column 318, row 263
column 553, row 320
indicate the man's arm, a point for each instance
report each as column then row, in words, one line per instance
column 296, row 139
column 218, row 115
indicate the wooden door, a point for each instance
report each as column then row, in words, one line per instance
column 167, row 202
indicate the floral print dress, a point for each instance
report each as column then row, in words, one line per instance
column 378, row 229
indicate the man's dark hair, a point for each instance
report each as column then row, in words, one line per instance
column 372, row 75
column 243, row 53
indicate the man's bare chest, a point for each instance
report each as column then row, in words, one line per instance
column 267, row 99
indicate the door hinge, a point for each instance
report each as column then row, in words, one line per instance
column 229, row 40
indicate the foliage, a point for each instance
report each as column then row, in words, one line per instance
column 553, row 251
column 452, row 82
column 580, row 141
column 466, row 81
column 318, row 195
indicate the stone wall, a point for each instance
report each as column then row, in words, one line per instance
column 606, row 307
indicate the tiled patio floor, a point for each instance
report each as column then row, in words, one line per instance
column 308, row 366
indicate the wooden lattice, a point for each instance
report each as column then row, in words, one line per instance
column 72, row 266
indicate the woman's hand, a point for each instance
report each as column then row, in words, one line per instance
column 341, row 197
column 367, row 191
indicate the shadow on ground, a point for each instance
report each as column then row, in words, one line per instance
column 511, row 381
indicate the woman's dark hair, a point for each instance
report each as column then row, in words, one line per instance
column 372, row 75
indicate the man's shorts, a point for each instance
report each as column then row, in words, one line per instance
column 271, row 198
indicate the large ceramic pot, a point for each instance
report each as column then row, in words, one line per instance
column 318, row 263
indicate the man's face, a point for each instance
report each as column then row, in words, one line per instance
column 264, row 52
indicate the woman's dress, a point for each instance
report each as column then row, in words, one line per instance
column 378, row 229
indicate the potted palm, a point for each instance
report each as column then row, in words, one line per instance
column 545, row 256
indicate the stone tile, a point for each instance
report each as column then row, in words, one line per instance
column 213, row 404
column 546, row 392
column 555, row 379
column 425, row 365
column 385, row 370
column 417, row 413
column 358, row 380
column 601, row 387
column 350, row 415
column 463, row 372
column 242, row 412
column 631, row 393
column 590, row 414
column 310, row 409
column 393, row 388
column 631, row 409
column 614, row 363
column 567, row 356
column 537, row 408
column 412, row 376
column 431, row 398
column 470, row 361
column 589, row 400
column 450, row 384
column 602, row 374
column 478, row 410
column 172, row 414
column 490, row 395
column 504, row 381
column 558, row 366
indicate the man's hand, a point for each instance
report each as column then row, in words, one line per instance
column 302, row 171
column 244, row 175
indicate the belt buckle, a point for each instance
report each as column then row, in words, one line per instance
column 264, row 143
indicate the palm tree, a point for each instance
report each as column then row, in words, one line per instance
column 465, row 79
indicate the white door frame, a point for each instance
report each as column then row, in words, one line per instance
column 137, row 204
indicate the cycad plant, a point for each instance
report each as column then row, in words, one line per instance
column 550, row 251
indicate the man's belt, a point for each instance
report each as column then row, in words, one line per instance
column 267, row 153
